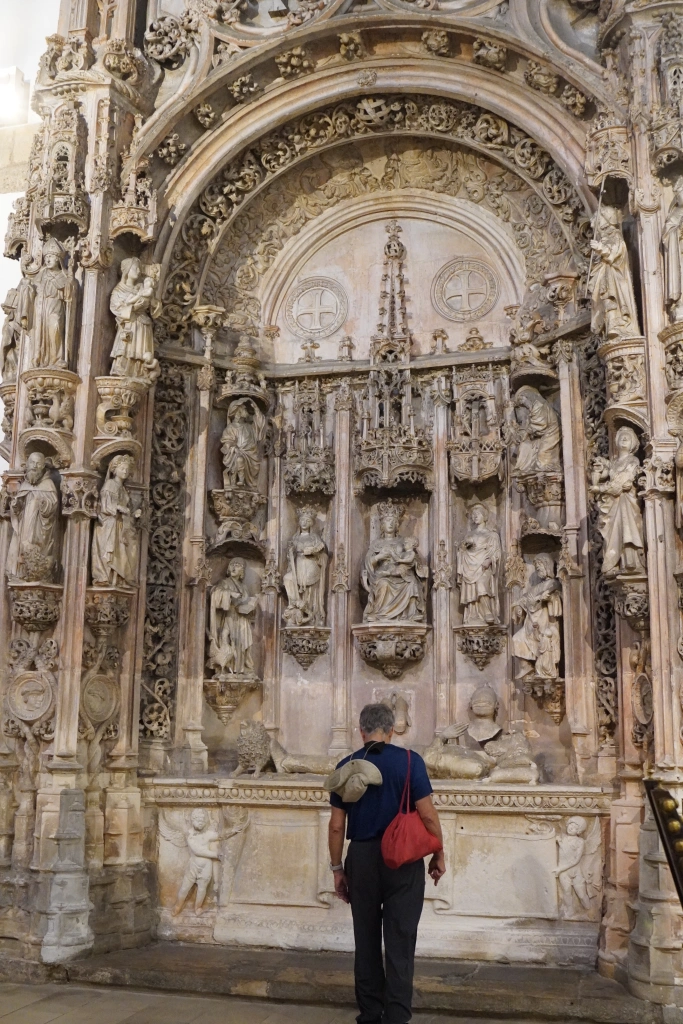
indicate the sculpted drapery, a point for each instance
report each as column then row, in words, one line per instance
column 477, row 568
column 34, row 515
column 305, row 579
column 391, row 575
column 133, row 304
column 537, row 643
column 115, row 541
column 539, row 447
column 230, row 624
column 621, row 521
column 610, row 284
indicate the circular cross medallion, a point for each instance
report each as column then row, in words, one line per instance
column 100, row 699
column 316, row 308
column 29, row 697
column 464, row 290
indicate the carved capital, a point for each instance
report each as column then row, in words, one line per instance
column 632, row 601
column 80, row 496
column 106, row 610
column 35, row 607
column 305, row 643
column 481, row 643
column 549, row 694
column 391, row 647
column 206, row 378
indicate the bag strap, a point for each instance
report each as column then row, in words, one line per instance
column 406, row 791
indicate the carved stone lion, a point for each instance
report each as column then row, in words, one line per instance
column 253, row 749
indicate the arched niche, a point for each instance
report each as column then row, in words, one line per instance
column 506, row 213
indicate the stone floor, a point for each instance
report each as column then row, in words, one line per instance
column 73, row 1004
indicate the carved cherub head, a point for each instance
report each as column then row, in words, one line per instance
column 576, row 826
column 199, row 819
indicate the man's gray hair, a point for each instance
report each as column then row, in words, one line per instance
column 376, row 716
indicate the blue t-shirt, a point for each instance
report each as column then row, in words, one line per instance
column 368, row 817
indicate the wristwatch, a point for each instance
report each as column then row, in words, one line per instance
column 336, row 867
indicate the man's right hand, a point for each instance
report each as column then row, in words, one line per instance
column 341, row 886
column 437, row 867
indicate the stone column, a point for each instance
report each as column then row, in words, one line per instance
column 341, row 634
column 573, row 571
column 197, row 574
column 441, row 555
column 271, row 582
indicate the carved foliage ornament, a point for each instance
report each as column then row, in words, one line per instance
column 369, row 115
column 169, row 442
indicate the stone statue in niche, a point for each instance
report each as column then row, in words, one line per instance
column 621, row 523
column 114, row 558
column 306, row 576
column 392, row 573
column 477, row 567
column 538, row 433
column 241, row 444
column 34, row 514
column 48, row 308
column 231, row 616
column 610, row 284
column 133, row 303
column 12, row 330
column 579, row 867
column 537, row 643
column 671, row 243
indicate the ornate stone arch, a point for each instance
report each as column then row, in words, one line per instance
column 247, row 177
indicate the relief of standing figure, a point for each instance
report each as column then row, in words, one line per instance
column 621, row 521
column 230, row 624
column 115, row 538
column 477, row 566
column 48, row 308
column 671, row 243
column 610, row 284
column 134, row 305
column 537, row 644
column 305, row 579
column 241, row 444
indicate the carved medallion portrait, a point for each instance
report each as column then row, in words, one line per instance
column 100, row 699
column 29, row 697
column 316, row 308
column 464, row 289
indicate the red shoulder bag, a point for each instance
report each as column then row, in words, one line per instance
column 406, row 839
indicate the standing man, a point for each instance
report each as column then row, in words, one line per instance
column 382, row 900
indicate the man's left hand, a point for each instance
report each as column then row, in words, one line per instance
column 341, row 886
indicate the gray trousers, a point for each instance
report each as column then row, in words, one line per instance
column 390, row 903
